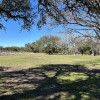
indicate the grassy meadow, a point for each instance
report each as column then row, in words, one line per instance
column 35, row 60
column 49, row 77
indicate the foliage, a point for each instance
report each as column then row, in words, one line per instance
column 73, row 15
column 46, row 44
column 17, row 10
column 69, row 44
column 16, row 49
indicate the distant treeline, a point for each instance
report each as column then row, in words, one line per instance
column 15, row 49
column 67, row 44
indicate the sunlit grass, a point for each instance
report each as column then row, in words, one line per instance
column 72, row 76
column 35, row 60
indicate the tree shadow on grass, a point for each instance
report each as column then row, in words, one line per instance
column 51, row 82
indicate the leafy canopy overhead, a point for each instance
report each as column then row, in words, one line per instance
column 84, row 14
column 17, row 10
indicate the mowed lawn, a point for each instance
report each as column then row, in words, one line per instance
column 49, row 77
column 36, row 60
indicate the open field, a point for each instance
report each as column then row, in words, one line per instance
column 36, row 60
column 49, row 77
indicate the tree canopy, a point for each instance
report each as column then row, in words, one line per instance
column 46, row 44
column 84, row 14
column 68, row 44
column 17, row 10
column 73, row 15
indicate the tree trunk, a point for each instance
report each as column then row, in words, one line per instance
column 93, row 53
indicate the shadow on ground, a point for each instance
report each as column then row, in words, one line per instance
column 50, row 82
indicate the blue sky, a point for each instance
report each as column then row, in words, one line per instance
column 14, row 37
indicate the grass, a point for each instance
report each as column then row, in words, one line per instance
column 49, row 77
column 35, row 60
